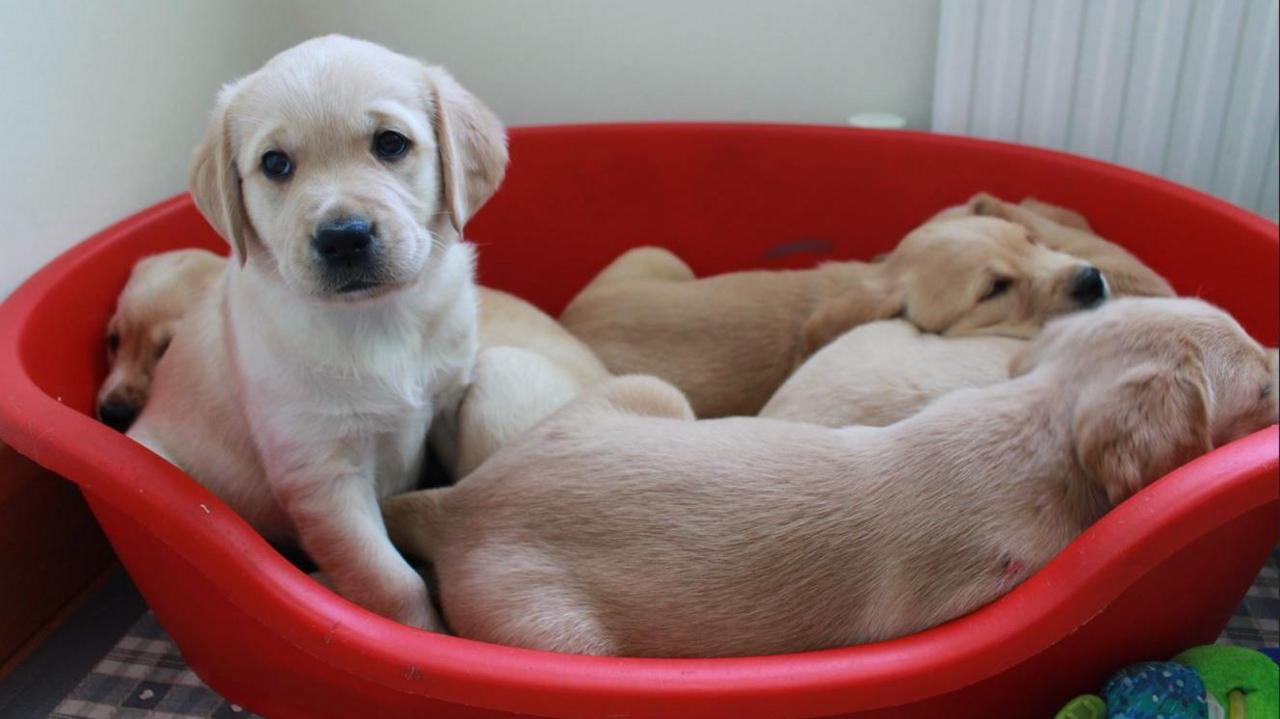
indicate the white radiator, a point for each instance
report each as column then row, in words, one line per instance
column 1186, row 89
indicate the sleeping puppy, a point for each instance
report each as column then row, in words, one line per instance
column 302, row 387
column 881, row 372
column 730, row 340
column 782, row 537
column 878, row 373
column 161, row 290
column 528, row 367
column 1067, row 231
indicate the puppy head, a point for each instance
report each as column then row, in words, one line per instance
column 985, row 276
column 341, row 167
column 962, row 275
column 1157, row 383
column 161, row 290
column 1063, row 229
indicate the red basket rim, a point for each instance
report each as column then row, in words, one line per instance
column 1075, row 586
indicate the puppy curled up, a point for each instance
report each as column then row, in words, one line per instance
column 161, row 290
column 729, row 341
column 778, row 536
column 878, row 373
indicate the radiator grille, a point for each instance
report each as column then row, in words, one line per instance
column 1186, row 89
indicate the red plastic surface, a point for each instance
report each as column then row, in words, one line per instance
column 1161, row 572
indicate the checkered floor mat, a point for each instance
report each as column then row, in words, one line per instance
column 1257, row 619
column 144, row 677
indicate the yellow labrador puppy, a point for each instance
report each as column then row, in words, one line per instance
column 302, row 388
column 621, row 526
column 528, row 367
column 730, row 340
column 160, row 292
column 1067, row 231
column 879, row 373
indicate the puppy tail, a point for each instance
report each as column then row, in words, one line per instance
column 413, row 522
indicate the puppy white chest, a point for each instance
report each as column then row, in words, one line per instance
column 355, row 389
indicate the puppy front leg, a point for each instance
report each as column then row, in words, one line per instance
column 340, row 526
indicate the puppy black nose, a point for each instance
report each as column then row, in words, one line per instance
column 344, row 242
column 117, row 415
column 1089, row 289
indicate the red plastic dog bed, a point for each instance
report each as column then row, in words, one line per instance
column 1160, row 573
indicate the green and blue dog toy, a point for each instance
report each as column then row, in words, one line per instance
column 1209, row 682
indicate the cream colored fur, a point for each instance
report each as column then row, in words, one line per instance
column 528, row 367
column 160, row 292
column 1068, row 231
column 878, row 373
column 729, row 341
column 300, row 404
column 881, row 372
column 622, row 526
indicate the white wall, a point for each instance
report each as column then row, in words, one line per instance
column 542, row 61
column 100, row 106
column 101, row 102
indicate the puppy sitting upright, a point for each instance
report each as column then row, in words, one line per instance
column 622, row 526
column 303, row 386
column 730, row 340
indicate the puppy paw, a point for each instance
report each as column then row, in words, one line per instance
column 414, row 608
column 423, row 617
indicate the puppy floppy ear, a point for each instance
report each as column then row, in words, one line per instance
column 870, row 299
column 1147, row 422
column 472, row 145
column 1060, row 215
column 215, row 182
column 985, row 204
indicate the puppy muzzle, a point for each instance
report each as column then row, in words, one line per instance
column 346, row 250
column 1089, row 288
column 118, row 414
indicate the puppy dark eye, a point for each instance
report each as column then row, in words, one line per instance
column 999, row 287
column 277, row 165
column 1265, row 394
column 164, row 345
column 390, row 145
column 113, row 342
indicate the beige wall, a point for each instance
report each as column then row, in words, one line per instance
column 101, row 102
column 541, row 61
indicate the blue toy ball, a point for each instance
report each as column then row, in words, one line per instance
column 1155, row 690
